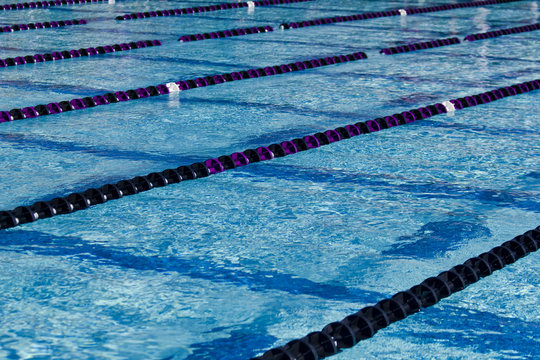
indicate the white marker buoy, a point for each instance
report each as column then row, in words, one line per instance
column 449, row 106
column 402, row 12
column 172, row 87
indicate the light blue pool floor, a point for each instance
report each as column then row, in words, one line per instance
column 231, row 265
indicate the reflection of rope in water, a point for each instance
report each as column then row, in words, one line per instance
column 365, row 323
column 91, row 197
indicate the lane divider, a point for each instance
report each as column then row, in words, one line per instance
column 69, row 54
column 201, row 9
column 95, row 196
column 226, row 33
column 366, row 322
column 162, row 89
column 44, row 25
column 387, row 13
column 496, row 33
column 46, row 4
column 420, row 46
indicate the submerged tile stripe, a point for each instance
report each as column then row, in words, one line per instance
column 69, row 54
column 201, row 9
column 420, row 46
column 44, row 25
column 91, row 197
column 46, row 4
column 387, row 13
column 109, row 98
column 502, row 32
column 365, row 323
column 226, row 33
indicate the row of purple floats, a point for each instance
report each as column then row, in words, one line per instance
column 43, row 25
column 378, row 14
column 451, row 41
column 68, row 54
column 201, row 9
column 162, row 89
column 94, row 196
column 198, row 9
column 226, row 33
column 45, row 4
column 495, row 33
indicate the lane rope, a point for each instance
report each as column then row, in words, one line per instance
column 365, row 323
column 387, row 13
column 71, row 54
column 226, row 33
column 43, row 25
column 46, row 4
column 202, row 9
column 420, row 46
column 502, row 32
column 162, row 89
column 95, row 196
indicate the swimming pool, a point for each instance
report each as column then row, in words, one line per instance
column 232, row 265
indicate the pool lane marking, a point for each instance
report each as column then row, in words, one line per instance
column 43, row 25
column 365, row 323
column 78, row 104
column 46, row 4
column 452, row 41
column 208, row 8
column 94, row 196
column 502, row 32
column 226, row 33
column 420, row 46
column 162, row 89
column 388, row 13
column 83, row 52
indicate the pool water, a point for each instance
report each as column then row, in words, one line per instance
column 229, row 266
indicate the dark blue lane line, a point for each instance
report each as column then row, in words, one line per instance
column 472, row 325
column 216, row 66
column 77, row 90
column 378, row 183
column 265, row 40
column 275, row 108
column 24, row 141
column 44, row 244
column 297, row 42
column 482, row 129
column 436, row 238
column 255, row 336
column 240, row 341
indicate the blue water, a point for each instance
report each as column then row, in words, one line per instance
column 234, row 264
